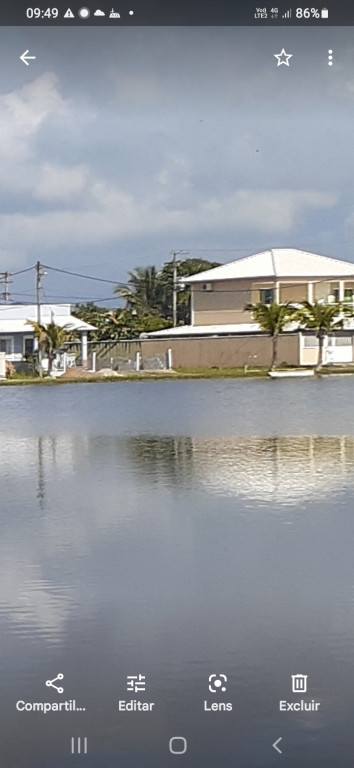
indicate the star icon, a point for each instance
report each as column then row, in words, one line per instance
column 283, row 58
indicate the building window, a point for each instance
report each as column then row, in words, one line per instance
column 342, row 341
column 28, row 346
column 348, row 295
column 7, row 345
column 310, row 342
column 267, row 296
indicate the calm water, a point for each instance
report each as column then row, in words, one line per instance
column 177, row 530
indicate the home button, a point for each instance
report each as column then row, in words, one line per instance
column 178, row 745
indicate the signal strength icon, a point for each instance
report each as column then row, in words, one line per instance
column 287, row 15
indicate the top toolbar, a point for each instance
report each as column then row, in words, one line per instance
column 175, row 13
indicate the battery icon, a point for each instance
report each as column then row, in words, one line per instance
column 324, row 13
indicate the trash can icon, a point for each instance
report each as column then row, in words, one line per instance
column 299, row 683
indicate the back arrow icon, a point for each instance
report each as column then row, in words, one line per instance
column 25, row 58
column 275, row 745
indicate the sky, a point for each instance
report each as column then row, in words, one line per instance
column 120, row 145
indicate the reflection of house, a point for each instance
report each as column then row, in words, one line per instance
column 17, row 336
column 219, row 297
column 281, row 469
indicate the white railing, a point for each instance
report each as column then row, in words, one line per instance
column 15, row 357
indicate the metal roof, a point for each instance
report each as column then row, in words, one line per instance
column 206, row 330
column 277, row 263
column 14, row 317
column 228, row 329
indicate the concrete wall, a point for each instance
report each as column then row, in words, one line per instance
column 228, row 352
column 296, row 293
column 224, row 304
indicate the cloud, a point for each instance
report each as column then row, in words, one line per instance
column 24, row 111
column 99, row 13
column 60, row 184
column 72, row 178
column 111, row 213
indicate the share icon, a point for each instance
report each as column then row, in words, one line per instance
column 51, row 683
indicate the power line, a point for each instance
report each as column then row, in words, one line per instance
column 22, row 271
column 218, row 250
column 85, row 277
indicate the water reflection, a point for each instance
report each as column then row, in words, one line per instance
column 280, row 469
column 177, row 555
column 277, row 469
column 75, row 508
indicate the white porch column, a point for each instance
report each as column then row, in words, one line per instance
column 310, row 293
column 276, row 292
column 84, row 348
column 341, row 290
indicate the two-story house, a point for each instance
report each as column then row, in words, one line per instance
column 219, row 296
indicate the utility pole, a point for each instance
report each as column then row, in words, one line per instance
column 175, row 263
column 5, row 278
column 39, row 274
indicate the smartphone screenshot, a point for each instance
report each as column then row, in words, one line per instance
column 176, row 381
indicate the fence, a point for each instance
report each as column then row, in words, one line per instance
column 136, row 363
column 110, row 355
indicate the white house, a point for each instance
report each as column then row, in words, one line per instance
column 17, row 336
column 219, row 297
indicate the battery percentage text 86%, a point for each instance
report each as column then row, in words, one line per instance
column 307, row 13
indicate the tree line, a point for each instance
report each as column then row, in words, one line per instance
column 148, row 302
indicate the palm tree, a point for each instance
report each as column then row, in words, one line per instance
column 144, row 292
column 150, row 290
column 51, row 338
column 273, row 319
column 322, row 318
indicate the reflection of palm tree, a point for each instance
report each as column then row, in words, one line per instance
column 165, row 456
column 41, row 480
column 51, row 338
column 273, row 319
column 322, row 318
